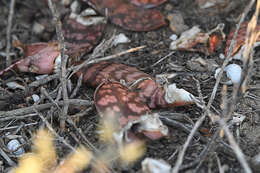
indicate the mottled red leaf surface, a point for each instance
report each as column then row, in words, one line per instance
column 145, row 86
column 129, row 16
column 147, row 3
column 112, row 99
column 118, row 100
column 81, row 39
column 39, row 58
column 240, row 39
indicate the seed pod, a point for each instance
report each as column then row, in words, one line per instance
column 143, row 84
column 127, row 15
column 41, row 58
column 117, row 101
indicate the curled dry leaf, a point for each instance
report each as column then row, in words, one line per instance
column 198, row 41
column 240, row 41
column 147, row 3
column 40, row 58
column 127, row 15
column 117, row 101
column 143, row 84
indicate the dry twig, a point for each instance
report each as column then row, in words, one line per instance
column 64, row 59
column 8, row 33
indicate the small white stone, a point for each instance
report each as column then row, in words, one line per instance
column 120, row 38
column 234, row 72
column 13, row 145
column 40, row 77
column 75, row 6
column 38, row 28
column 35, row 98
column 15, row 85
column 150, row 165
column 221, row 56
column 173, row 37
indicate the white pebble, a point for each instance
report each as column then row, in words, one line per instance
column 150, row 165
column 15, row 85
column 120, row 38
column 173, row 37
column 35, row 98
column 40, row 77
column 221, row 56
column 234, row 72
column 13, row 145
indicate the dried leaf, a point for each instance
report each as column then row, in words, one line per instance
column 147, row 3
column 127, row 15
column 197, row 41
column 81, row 39
column 39, row 58
column 240, row 40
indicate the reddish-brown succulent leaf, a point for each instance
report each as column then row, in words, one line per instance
column 240, row 39
column 39, row 58
column 147, row 3
column 81, row 39
column 118, row 100
column 127, row 15
column 145, row 86
column 114, row 100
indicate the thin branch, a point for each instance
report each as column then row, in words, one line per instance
column 64, row 59
column 8, row 33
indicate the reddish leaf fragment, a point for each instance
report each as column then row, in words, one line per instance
column 41, row 58
column 81, row 39
column 145, row 86
column 147, row 3
column 240, row 39
column 118, row 102
column 196, row 40
column 129, row 16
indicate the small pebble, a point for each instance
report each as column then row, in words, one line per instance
column 14, row 85
column 13, row 145
column 221, row 56
column 173, row 37
column 234, row 72
column 120, row 38
column 35, row 98
column 150, row 165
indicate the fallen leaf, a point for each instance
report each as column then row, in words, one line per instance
column 240, row 40
column 81, row 39
column 147, row 3
column 196, row 40
column 127, row 15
